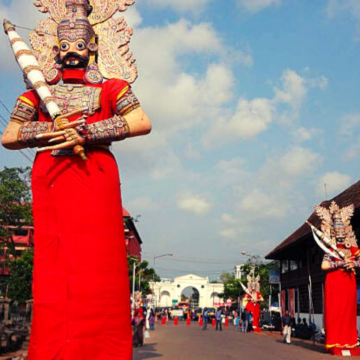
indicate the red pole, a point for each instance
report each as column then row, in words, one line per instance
column 201, row 322
column 163, row 320
column 226, row 322
column 176, row 321
column 188, row 321
column 213, row 323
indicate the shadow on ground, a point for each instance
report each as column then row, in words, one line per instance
column 320, row 348
column 148, row 351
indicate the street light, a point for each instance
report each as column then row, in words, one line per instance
column 159, row 256
column 156, row 257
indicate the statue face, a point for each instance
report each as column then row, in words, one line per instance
column 339, row 229
column 74, row 55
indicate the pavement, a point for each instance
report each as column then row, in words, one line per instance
column 180, row 342
column 191, row 343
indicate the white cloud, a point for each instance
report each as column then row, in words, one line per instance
column 141, row 204
column 132, row 16
column 354, row 150
column 228, row 219
column 262, row 205
column 334, row 7
column 253, row 117
column 195, row 204
column 348, row 124
column 182, row 6
column 334, row 181
column 257, row 5
column 299, row 161
column 19, row 12
column 302, row 134
column 229, row 233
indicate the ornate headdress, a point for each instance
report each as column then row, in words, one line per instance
column 334, row 218
column 253, row 281
column 93, row 21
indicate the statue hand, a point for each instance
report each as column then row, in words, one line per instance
column 67, row 138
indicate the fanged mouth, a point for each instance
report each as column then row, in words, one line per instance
column 72, row 61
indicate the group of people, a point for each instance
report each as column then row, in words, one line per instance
column 243, row 320
column 143, row 320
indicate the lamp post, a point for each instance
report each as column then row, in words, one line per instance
column 157, row 257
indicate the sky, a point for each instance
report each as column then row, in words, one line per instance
column 256, row 118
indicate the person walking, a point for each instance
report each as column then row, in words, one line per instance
column 237, row 322
column 152, row 320
column 138, row 324
column 250, row 321
column 218, row 318
column 286, row 323
column 244, row 321
column 205, row 319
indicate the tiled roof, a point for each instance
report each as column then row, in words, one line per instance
column 347, row 197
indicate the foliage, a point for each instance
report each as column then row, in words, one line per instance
column 15, row 203
column 18, row 283
column 143, row 273
column 232, row 287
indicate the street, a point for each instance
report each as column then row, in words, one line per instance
column 188, row 343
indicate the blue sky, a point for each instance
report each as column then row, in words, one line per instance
column 254, row 105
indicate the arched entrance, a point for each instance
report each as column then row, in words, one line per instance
column 165, row 299
column 216, row 301
column 191, row 295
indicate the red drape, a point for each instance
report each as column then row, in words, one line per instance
column 255, row 309
column 341, row 312
column 80, row 286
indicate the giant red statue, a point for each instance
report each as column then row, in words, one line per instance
column 79, row 102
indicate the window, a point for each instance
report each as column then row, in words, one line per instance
column 293, row 265
column 284, row 266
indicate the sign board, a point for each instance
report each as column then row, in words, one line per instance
column 178, row 313
column 175, row 301
column 274, row 277
column 291, row 300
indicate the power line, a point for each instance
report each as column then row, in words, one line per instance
column 194, row 271
column 5, row 124
column 6, row 108
column 22, row 152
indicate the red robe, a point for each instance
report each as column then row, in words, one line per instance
column 341, row 310
column 255, row 309
column 80, row 286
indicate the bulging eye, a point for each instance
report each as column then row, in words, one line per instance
column 64, row 47
column 81, row 46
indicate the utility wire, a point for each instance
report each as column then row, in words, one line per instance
column 22, row 152
column 32, row 152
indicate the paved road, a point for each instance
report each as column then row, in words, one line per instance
column 182, row 343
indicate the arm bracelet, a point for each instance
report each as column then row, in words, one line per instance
column 106, row 131
column 27, row 132
column 336, row 264
column 357, row 263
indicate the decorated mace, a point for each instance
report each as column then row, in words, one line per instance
column 32, row 72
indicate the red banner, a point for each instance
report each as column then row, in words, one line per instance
column 292, row 302
column 282, row 302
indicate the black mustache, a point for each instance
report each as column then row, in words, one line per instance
column 83, row 60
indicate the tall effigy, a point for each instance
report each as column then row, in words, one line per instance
column 338, row 241
column 253, row 298
column 79, row 102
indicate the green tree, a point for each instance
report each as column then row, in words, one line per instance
column 15, row 211
column 232, row 287
column 143, row 273
column 19, row 281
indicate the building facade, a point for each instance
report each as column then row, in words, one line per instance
column 23, row 239
column 193, row 288
column 302, row 280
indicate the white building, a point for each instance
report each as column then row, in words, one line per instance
column 199, row 289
